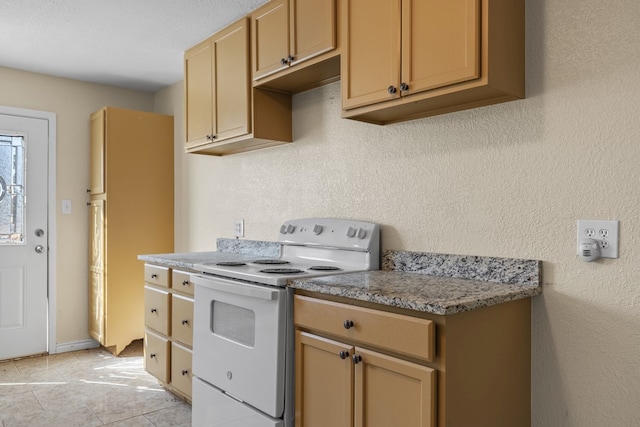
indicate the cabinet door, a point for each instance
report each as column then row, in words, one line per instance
column 96, row 271
column 313, row 28
column 157, row 310
column 393, row 392
column 182, row 319
column 371, row 60
column 96, row 153
column 324, row 382
column 181, row 375
column 440, row 43
column 232, row 114
column 270, row 35
column 198, row 93
column 157, row 356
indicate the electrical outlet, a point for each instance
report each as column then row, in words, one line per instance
column 238, row 228
column 605, row 232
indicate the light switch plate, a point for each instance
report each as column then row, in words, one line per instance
column 66, row 207
column 605, row 232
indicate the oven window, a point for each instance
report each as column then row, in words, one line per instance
column 233, row 323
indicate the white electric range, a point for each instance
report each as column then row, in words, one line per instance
column 243, row 320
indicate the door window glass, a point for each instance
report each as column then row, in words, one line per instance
column 12, row 194
column 234, row 323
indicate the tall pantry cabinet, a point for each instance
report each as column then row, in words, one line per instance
column 131, row 213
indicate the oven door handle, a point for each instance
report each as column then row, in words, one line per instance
column 237, row 288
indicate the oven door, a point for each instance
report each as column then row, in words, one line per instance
column 239, row 340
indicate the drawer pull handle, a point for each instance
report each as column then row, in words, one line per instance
column 348, row 324
column 185, row 372
column 356, row 358
column 154, row 276
column 154, row 310
column 343, row 354
column 185, row 283
column 152, row 355
column 185, row 322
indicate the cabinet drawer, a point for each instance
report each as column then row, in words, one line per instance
column 157, row 306
column 181, row 283
column 182, row 319
column 181, row 369
column 157, row 356
column 157, row 275
column 389, row 331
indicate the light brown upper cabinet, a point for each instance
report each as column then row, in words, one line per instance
column 223, row 113
column 406, row 59
column 294, row 44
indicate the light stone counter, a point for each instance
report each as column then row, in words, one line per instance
column 228, row 250
column 434, row 283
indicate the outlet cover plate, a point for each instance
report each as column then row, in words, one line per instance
column 605, row 232
column 238, row 228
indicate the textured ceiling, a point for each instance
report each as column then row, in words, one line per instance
column 135, row 44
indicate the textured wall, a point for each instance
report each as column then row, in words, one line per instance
column 508, row 180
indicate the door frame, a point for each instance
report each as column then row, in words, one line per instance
column 51, row 215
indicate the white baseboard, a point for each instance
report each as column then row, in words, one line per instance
column 75, row 346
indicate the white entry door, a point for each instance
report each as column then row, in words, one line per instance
column 23, row 235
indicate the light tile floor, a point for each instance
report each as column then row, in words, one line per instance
column 85, row 389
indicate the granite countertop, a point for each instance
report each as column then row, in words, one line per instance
column 415, row 291
column 434, row 283
column 228, row 250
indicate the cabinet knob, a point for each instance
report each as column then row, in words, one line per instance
column 185, row 372
column 343, row 354
column 88, row 190
column 348, row 324
column 356, row 358
column 154, row 310
column 290, row 59
column 404, row 87
column 185, row 322
column 392, row 89
column 185, row 283
column 154, row 276
column 283, row 61
column 152, row 355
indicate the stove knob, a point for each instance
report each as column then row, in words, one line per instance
column 283, row 229
column 361, row 233
column 290, row 228
column 351, row 232
column 317, row 229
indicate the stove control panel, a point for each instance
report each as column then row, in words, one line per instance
column 331, row 232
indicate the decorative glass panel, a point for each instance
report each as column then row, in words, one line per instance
column 12, row 196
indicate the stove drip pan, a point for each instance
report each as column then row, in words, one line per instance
column 282, row 271
column 231, row 264
column 270, row 261
column 324, row 268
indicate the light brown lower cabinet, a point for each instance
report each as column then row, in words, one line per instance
column 341, row 385
column 169, row 328
column 367, row 365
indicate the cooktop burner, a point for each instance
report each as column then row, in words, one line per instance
column 270, row 261
column 231, row 264
column 324, row 268
column 282, row 270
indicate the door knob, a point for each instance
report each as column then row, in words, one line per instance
column 39, row 249
column 39, row 232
